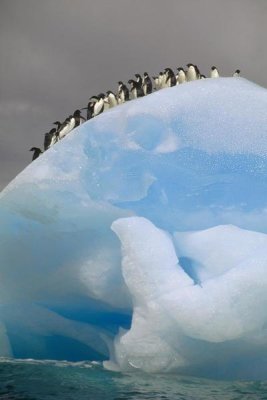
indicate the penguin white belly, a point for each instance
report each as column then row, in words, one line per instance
column 181, row 77
column 67, row 128
column 98, row 107
column 214, row 74
column 134, row 93
column 191, row 74
column 112, row 101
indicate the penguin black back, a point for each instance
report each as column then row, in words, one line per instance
column 36, row 152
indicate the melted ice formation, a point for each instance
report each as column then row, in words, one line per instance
column 140, row 239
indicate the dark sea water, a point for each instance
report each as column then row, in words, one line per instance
column 30, row 379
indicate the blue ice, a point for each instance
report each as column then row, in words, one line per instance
column 140, row 239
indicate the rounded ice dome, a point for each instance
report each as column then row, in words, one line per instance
column 140, row 239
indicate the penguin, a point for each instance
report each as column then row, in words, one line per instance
column 191, row 74
column 123, row 93
column 99, row 104
column 171, row 78
column 197, row 71
column 111, row 99
column 236, row 74
column 139, row 79
column 181, row 77
column 90, row 108
column 156, row 81
column 58, row 124
column 146, row 84
column 162, row 80
column 36, row 152
column 66, row 127
column 78, row 118
column 50, row 138
column 214, row 72
column 136, row 89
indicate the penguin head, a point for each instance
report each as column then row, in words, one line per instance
column 101, row 96
column 237, row 71
column 53, row 130
column 213, row 68
column 180, row 69
column 36, row 149
column 110, row 92
column 77, row 113
column 131, row 82
column 120, row 83
column 138, row 76
column 93, row 99
column 57, row 123
column 145, row 74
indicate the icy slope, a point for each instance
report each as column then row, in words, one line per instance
column 141, row 237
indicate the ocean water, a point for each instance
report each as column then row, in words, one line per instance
column 46, row 379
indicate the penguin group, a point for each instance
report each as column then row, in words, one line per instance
column 139, row 87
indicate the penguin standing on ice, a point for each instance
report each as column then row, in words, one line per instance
column 78, row 118
column 36, row 152
column 214, row 72
column 181, row 77
column 136, row 89
column 236, row 74
column 99, row 104
column 146, row 84
column 123, row 92
column 197, row 72
column 170, row 77
column 90, row 107
column 191, row 74
column 139, row 79
column 58, row 124
column 66, row 127
column 156, row 80
column 50, row 138
column 111, row 99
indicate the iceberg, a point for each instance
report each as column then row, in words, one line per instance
column 140, row 240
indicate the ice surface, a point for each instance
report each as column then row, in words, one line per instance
column 141, row 238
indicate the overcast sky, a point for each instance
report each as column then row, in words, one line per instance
column 55, row 54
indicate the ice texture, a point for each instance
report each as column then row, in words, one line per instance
column 141, row 238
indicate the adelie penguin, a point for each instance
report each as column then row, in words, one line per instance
column 191, row 74
column 146, row 84
column 90, row 108
column 50, row 138
column 58, row 124
column 78, row 118
column 139, row 79
column 136, row 89
column 236, row 74
column 214, row 72
column 170, row 77
column 99, row 104
column 180, row 77
column 36, row 152
column 123, row 92
column 111, row 99
column 66, row 127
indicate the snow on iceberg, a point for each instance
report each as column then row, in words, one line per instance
column 140, row 239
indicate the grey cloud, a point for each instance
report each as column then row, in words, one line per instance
column 55, row 54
